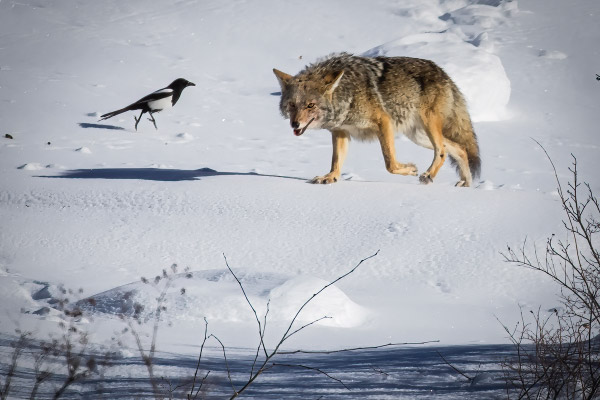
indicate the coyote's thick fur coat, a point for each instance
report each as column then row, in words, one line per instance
column 373, row 98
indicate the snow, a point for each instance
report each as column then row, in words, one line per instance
column 97, row 205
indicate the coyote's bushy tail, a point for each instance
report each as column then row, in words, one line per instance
column 473, row 156
column 461, row 131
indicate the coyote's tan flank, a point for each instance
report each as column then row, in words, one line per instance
column 373, row 98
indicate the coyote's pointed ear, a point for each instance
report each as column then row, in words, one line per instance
column 333, row 83
column 283, row 78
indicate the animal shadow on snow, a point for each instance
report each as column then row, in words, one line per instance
column 100, row 126
column 154, row 174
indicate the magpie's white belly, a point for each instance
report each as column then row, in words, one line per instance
column 160, row 104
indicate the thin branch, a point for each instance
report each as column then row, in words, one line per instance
column 260, row 329
column 307, row 325
column 356, row 348
column 201, row 385
column 198, row 364
column 226, row 364
column 312, row 369
column 379, row 371
column 454, row 368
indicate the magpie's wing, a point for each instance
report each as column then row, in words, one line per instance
column 159, row 94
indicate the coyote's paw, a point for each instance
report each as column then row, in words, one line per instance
column 462, row 184
column 425, row 178
column 325, row 179
column 404, row 169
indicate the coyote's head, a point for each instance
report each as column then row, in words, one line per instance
column 307, row 100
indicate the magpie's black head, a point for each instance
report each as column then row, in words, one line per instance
column 180, row 84
column 177, row 86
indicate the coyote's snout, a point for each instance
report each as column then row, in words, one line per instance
column 374, row 98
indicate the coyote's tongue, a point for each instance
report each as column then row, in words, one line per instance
column 299, row 132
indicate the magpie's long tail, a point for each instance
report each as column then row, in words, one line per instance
column 113, row 113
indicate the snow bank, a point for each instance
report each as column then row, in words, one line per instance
column 216, row 295
column 465, row 51
column 341, row 312
column 479, row 74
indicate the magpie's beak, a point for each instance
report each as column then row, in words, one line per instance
column 190, row 84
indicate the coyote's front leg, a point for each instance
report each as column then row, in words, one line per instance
column 385, row 135
column 340, row 148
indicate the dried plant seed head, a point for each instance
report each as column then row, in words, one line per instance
column 91, row 364
column 137, row 307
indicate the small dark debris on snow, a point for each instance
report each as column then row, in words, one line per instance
column 42, row 294
column 8, row 136
column 42, row 311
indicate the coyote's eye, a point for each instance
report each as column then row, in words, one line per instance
column 310, row 105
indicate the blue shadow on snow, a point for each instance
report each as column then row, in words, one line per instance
column 153, row 174
column 100, row 126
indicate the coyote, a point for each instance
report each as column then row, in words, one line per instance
column 368, row 98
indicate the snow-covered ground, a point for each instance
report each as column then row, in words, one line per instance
column 97, row 205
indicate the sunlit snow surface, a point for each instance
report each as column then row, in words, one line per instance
column 97, row 206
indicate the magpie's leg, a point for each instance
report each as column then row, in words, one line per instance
column 137, row 120
column 152, row 119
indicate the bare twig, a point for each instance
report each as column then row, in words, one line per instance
column 379, row 371
column 261, row 332
column 320, row 371
column 468, row 378
column 191, row 395
column 563, row 359
column 381, row 346
column 226, row 365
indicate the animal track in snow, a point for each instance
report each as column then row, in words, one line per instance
column 552, row 54
column 38, row 166
column 441, row 286
column 397, row 229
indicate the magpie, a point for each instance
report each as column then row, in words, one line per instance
column 154, row 102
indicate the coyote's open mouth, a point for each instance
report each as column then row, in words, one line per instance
column 299, row 132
